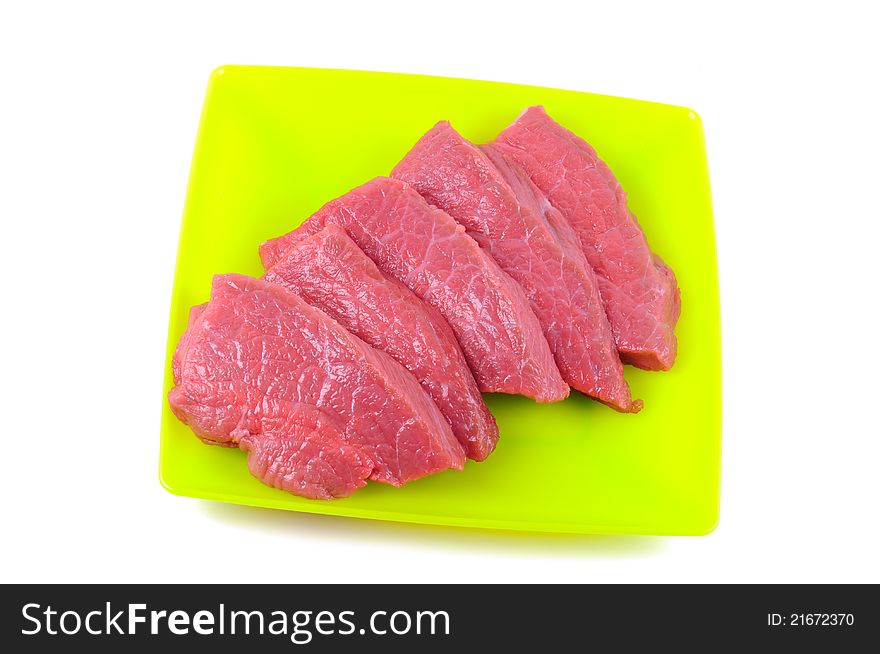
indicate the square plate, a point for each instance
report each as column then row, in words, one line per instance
column 274, row 144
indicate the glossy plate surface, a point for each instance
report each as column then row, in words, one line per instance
column 274, row 144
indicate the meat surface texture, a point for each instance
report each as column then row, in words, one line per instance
column 425, row 249
column 512, row 220
column 638, row 289
column 302, row 451
column 330, row 272
column 318, row 410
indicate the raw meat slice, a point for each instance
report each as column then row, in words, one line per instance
column 329, row 271
column 303, row 452
column 429, row 252
column 256, row 352
column 513, row 221
column 639, row 291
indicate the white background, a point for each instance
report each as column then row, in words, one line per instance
column 98, row 112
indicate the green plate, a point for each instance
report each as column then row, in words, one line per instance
column 274, row 144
